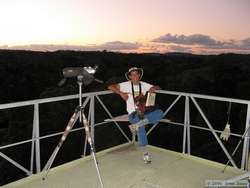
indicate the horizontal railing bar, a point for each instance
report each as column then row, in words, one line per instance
column 101, row 123
column 47, row 136
column 16, row 144
column 52, row 99
column 217, row 131
column 59, row 133
column 202, row 128
column 73, row 130
column 69, row 97
column 240, row 101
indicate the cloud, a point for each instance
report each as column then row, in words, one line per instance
column 109, row 46
column 179, row 48
column 118, row 45
column 196, row 43
column 246, row 43
column 204, row 42
column 196, row 39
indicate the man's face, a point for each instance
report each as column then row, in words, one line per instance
column 134, row 76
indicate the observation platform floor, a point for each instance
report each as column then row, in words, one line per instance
column 122, row 167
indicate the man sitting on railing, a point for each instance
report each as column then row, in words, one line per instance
column 134, row 92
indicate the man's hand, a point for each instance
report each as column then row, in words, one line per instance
column 153, row 89
column 124, row 96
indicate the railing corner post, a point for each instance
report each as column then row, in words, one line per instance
column 36, row 136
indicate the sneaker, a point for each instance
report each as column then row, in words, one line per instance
column 146, row 158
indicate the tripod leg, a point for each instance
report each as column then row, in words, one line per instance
column 85, row 147
column 70, row 124
column 91, row 143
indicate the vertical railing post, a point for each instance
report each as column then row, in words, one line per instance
column 37, row 140
column 32, row 146
column 187, row 122
column 245, row 150
column 92, row 117
column 186, row 128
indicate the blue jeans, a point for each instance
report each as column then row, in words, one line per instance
column 153, row 117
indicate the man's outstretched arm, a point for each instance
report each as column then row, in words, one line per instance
column 154, row 88
column 116, row 89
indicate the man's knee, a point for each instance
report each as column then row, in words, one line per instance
column 133, row 118
column 159, row 113
column 155, row 116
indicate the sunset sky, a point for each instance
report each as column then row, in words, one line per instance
column 196, row 26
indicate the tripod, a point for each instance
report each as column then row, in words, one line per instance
column 79, row 113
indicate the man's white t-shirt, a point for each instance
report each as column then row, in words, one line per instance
column 126, row 87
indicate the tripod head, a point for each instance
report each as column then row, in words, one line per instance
column 84, row 75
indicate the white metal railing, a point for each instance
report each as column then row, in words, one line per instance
column 187, row 125
column 186, row 147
